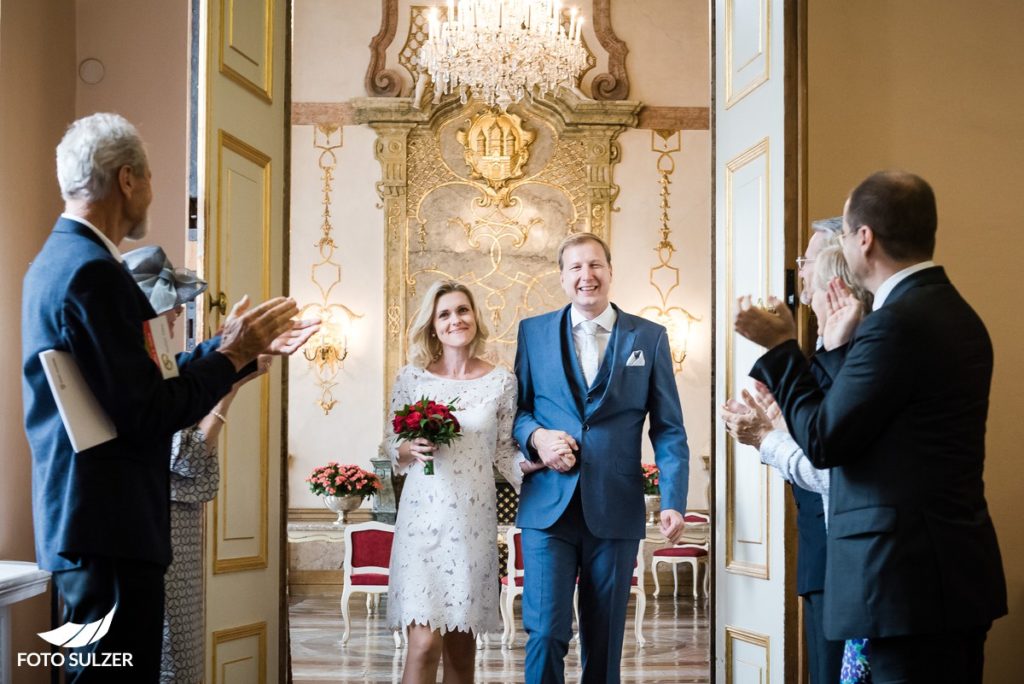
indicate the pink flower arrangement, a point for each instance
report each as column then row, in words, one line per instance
column 652, row 477
column 342, row 480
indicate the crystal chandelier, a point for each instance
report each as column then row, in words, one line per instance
column 500, row 50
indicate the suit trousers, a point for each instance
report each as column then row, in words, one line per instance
column 824, row 657
column 89, row 592
column 954, row 657
column 553, row 559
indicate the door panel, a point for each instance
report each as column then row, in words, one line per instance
column 750, row 607
column 242, row 155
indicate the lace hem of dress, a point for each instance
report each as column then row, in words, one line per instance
column 442, row 625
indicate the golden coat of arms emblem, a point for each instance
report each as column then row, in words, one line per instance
column 497, row 148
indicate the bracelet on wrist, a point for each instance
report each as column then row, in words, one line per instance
column 219, row 416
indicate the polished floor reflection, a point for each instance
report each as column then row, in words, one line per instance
column 676, row 651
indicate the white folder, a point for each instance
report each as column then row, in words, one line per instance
column 86, row 422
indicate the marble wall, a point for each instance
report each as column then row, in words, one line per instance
column 667, row 66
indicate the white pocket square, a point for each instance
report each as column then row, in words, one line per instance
column 636, row 359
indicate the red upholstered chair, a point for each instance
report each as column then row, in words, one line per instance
column 511, row 584
column 693, row 553
column 367, row 566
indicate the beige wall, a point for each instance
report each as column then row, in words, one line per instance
column 144, row 46
column 938, row 92
column 37, row 56
column 668, row 65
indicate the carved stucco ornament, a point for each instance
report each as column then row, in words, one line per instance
column 497, row 148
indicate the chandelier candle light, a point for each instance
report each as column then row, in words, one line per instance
column 500, row 50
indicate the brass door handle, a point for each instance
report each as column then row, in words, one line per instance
column 220, row 302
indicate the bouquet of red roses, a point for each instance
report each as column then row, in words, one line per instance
column 429, row 419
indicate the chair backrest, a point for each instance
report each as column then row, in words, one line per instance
column 368, row 547
column 514, row 541
column 694, row 519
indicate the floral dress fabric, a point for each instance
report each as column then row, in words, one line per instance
column 856, row 669
column 195, row 476
column 444, row 561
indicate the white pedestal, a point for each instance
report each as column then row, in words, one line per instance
column 18, row 581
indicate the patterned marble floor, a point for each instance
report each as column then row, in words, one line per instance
column 676, row 651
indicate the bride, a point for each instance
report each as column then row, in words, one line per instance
column 444, row 562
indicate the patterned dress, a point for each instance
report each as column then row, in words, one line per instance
column 444, row 562
column 195, row 476
column 856, row 666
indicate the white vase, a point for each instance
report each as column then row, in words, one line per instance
column 652, row 506
column 342, row 505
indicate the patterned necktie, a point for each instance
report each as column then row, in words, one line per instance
column 589, row 360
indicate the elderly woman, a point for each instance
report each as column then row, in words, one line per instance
column 758, row 421
column 195, row 477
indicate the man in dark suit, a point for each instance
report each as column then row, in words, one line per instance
column 589, row 375
column 903, row 429
column 102, row 515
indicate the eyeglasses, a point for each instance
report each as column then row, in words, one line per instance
column 843, row 234
column 803, row 261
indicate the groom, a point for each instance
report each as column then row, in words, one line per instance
column 589, row 375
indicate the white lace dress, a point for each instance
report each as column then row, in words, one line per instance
column 444, row 562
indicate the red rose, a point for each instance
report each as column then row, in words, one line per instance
column 412, row 421
column 432, row 427
column 455, row 424
column 397, row 423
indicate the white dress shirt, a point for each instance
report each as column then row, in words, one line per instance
column 780, row 451
column 886, row 288
column 106, row 241
column 605, row 323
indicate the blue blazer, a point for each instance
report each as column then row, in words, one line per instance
column 112, row 499
column 606, row 420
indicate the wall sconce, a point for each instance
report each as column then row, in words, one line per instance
column 664, row 277
column 327, row 349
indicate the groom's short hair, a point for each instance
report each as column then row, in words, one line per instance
column 576, row 238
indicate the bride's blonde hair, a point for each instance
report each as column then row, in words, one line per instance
column 424, row 346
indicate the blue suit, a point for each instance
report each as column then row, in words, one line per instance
column 589, row 521
column 102, row 516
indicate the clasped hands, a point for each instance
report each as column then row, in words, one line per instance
column 264, row 329
column 557, row 450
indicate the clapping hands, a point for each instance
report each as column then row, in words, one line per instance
column 750, row 421
column 769, row 326
column 844, row 314
column 265, row 329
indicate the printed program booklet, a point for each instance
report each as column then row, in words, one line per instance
column 85, row 421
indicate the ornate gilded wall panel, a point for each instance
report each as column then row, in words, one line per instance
column 485, row 198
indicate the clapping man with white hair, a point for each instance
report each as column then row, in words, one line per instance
column 102, row 514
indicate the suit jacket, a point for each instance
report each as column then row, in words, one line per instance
column 112, row 499
column 810, row 521
column 811, row 554
column 911, row 546
column 606, row 420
